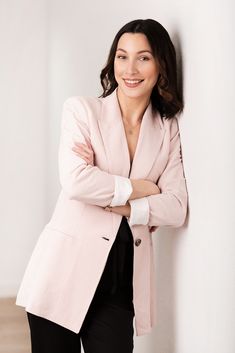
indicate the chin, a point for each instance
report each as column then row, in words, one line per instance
column 132, row 92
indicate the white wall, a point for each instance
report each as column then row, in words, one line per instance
column 56, row 49
column 23, row 134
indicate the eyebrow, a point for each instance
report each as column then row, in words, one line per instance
column 141, row 51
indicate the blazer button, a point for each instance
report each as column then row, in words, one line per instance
column 137, row 242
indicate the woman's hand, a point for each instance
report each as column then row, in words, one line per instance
column 124, row 210
column 84, row 151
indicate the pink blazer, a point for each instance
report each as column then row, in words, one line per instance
column 70, row 254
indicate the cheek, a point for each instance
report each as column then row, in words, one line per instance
column 117, row 68
column 151, row 73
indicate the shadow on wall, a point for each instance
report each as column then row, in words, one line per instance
column 166, row 242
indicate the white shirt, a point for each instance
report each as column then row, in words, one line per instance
column 139, row 207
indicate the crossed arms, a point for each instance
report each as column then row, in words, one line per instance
column 88, row 183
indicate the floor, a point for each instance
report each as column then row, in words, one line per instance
column 14, row 331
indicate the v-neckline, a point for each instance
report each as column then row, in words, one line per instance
column 130, row 168
column 123, row 128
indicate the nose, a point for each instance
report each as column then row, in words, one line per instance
column 131, row 67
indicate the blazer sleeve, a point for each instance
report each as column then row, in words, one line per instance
column 82, row 181
column 169, row 208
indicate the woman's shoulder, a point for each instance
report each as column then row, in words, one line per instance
column 83, row 108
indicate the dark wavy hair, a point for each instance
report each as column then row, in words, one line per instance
column 165, row 96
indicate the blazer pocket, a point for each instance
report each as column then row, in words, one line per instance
column 71, row 220
column 59, row 232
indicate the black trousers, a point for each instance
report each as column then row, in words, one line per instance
column 106, row 329
column 108, row 324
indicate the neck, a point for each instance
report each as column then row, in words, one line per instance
column 132, row 109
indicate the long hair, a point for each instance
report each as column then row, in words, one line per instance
column 165, row 96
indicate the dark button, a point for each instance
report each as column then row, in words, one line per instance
column 137, row 242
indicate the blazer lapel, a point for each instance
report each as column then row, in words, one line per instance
column 150, row 139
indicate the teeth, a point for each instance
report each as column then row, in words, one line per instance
column 133, row 81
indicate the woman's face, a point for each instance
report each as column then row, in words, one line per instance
column 134, row 61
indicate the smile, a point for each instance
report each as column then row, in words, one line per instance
column 132, row 83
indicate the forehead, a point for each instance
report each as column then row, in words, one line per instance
column 133, row 42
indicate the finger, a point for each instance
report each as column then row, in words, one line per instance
column 86, row 151
column 83, row 151
column 86, row 160
column 83, row 145
column 82, row 155
column 79, row 152
column 87, row 148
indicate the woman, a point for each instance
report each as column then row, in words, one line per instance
column 122, row 177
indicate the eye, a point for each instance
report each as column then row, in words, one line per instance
column 120, row 56
column 145, row 58
column 142, row 58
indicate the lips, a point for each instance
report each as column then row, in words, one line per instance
column 132, row 82
column 129, row 80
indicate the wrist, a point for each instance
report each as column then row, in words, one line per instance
column 128, row 209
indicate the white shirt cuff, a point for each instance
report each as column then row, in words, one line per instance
column 139, row 211
column 123, row 190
